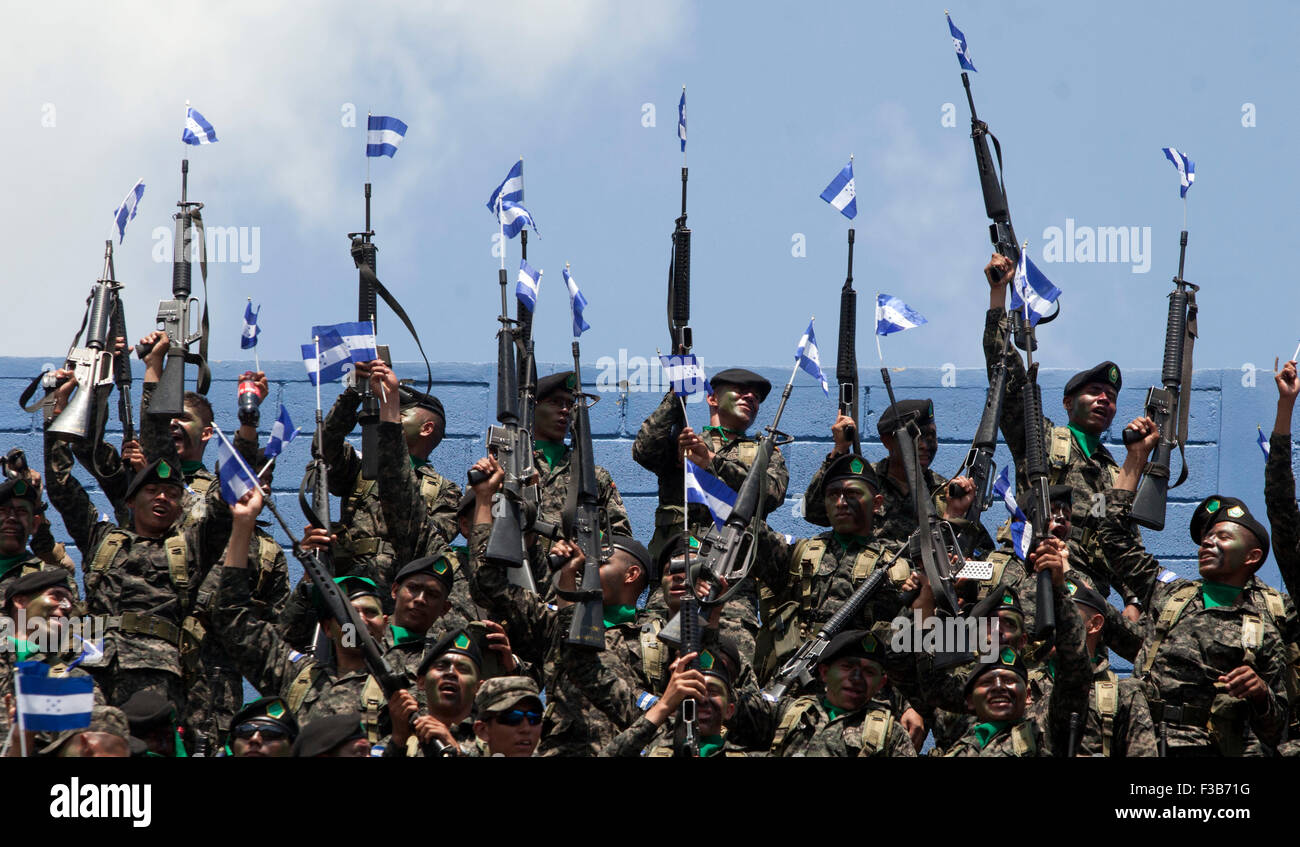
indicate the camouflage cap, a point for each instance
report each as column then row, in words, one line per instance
column 1237, row 513
column 860, row 643
column 1082, row 595
column 743, row 378
column 439, row 566
column 548, row 385
column 267, row 710
column 501, row 693
column 1204, row 510
column 890, row 418
column 160, row 472
column 326, row 734
column 456, row 641
column 19, row 489
column 1107, row 373
column 851, row 466
column 109, row 719
column 1007, row 659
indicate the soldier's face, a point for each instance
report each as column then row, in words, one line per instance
column 54, row 603
column 1011, row 629
column 735, row 405
column 851, row 681
column 372, row 615
column 1229, row 553
column 1092, row 407
column 156, row 507
column 357, row 748
column 998, row 695
column 420, row 600
column 515, row 732
column 551, row 421
column 620, row 576
column 851, row 505
column 419, row 425
column 450, row 685
column 190, row 434
column 16, row 521
column 928, row 444
column 260, row 740
column 673, row 584
column 712, row 712
column 1062, row 521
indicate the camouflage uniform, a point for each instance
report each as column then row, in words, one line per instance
column 1181, row 660
column 644, row 738
column 803, row 726
column 58, row 668
column 1124, row 728
column 1284, row 522
column 553, row 490
column 1090, row 477
column 277, row 670
column 365, row 545
column 28, row 562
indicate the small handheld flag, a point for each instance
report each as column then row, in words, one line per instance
column 1022, row 532
column 1186, row 169
column 248, row 338
column 1263, row 442
column 358, row 336
column 197, row 129
column 282, row 432
column 685, row 372
column 334, row 359
column 126, row 212
column 841, row 194
column 511, row 188
column 530, row 283
column 959, row 44
column 893, row 315
column 706, row 489
column 1030, row 287
column 50, row 703
column 577, row 302
column 237, row 479
column 681, row 119
column 383, row 134
column 808, row 358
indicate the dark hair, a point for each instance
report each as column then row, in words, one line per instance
column 201, row 404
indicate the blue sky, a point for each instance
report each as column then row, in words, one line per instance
column 1082, row 96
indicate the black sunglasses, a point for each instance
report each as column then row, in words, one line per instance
column 269, row 731
column 514, row 717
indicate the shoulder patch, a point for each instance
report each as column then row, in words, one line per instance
column 295, row 656
column 1166, row 575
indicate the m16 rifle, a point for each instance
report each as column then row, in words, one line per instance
column 846, row 361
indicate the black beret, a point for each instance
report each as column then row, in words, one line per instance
column 436, row 566
column 411, row 398
column 21, row 489
column 1060, row 493
column 743, row 378
column 466, row 501
column 1008, row 659
column 36, row 582
column 456, row 641
column 1237, row 513
column 860, row 643
column 675, row 548
column 548, row 385
column 1084, row 596
column 1107, row 373
column 270, row 710
column 160, row 471
column 325, row 734
column 636, row 549
column 851, row 466
column 996, row 601
column 713, row 663
column 1204, row 510
column 889, row 419
column 146, row 710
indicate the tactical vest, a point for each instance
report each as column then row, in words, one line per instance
column 654, row 654
column 1106, row 692
column 792, row 717
column 1275, row 603
column 431, row 488
column 876, row 730
column 372, row 697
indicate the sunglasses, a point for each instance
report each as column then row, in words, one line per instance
column 514, row 717
column 270, row 732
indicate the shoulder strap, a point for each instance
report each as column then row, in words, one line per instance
column 654, row 653
column 431, row 487
column 791, row 719
column 202, row 484
column 301, row 684
column 1058, row 448
column 865, row 564
column 998, row 560
column 1107, row 692
column 1169, row 613
column 1274, row 602
column 806, row 556
column 178, row 567
column 1022, row 740
column 875, row 731
column 372, row 699
column 108, row 549
column 1252, row 632
column 748, row 451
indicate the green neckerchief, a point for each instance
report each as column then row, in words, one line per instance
column 615, row 615
column 459, row 548
column 402, row 635
column 1216, row 594
column 7, row 563
column 709, row 745
column 417, row 463
column 831, row 711
column 553, row 451
column 180, row 746
column 1089, row 444
column 984, row 732
column 723, row 433
column 847, row 541
column 23, row 648
column 190, row 468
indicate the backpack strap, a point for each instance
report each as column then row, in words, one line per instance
column 791, row 719
column 372, row 700
column 1169, row 613
column 748, row 452
column 865, row 564
column 202, row 485
column 178, row 568
column 875, row 731
column 806, row 557
column 301, row 684
column 1107, row 693
column 1022, row 740
column 654, row 653
column 1058, row 447
column 108, row 550
column 998, row 559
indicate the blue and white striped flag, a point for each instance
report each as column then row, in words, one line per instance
column 841, row 194
column 1031, row 287
column 1022, row 532
column 1186, row 169
column 576, row 302
column 248, row 338
column 809, row 358
column 893, row 315
column 197, row 129
column 706, row 489
column 359, row 336
column 530, row 283
column 383, row 134
column 685, row 372
column 52, row 703
column 514, row 217
column 1263, row 442
column 959, row 44
column 237, row 479
column 511, row 188
column 130, row 205
column 334, row 359
column 681, row 119
column 282, row 432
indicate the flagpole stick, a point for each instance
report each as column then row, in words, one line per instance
column 683, row 146
column 22, row 724
column 367, row 151
column 1296, row 355
column 501, row 229
column 316, row 340
column 879, row 352
column 269, row 462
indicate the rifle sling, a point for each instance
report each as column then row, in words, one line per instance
column 373, row 281
column 1185, row 395
column 205, row 376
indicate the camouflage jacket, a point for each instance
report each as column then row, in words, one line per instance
column 644, row 738
column 553, row 490
column 1182, row 660
column 58, row 668
column 655, row 449
column 1090, row 478
column 366, row 542
column 1124, row 728
column 802, row 726
column 1283, row 515
column 31, row 563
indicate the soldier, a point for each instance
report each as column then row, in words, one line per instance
column 155, row 726
column 1076, row 456
column 340, row 736
column 20, row 509
column 508, row 717
column 105, row 738
column 1284, row 520
column 263, row 729
column 365, row 542
column 1214, row 665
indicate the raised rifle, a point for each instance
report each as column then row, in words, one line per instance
column 846, row 362
column 978, row 466
column 1169, row 403
column 679, row 282
column 585, row 522
column 687, row 739
column 1039, row 504
column 176, row 316
column 1072, row 745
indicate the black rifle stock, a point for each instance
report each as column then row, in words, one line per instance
column 679, row 282
column 846, row 362
column 176, row 316
column 584, row 523
column 1039, row 509
column 1168, row 404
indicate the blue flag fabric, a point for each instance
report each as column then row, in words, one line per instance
column 706, row 489
column 1022, row 533
column 197, row 129
column 530, row 283
column 358, row 336
column 51, row 703
column 681, row 119
column 685, row 373
column 959, row 44
column 841, row 192
column 514, row 217
column 334, row 358
column 248, row 338
column 576, row 302
column 809, row 359
column 126, row 212
column 511, row 188
column 236, row 478
column 1186, row 169
column 893, row 315
column 1032, row 287
column 1263, row 442
column 383, row 134
column 282, row 432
